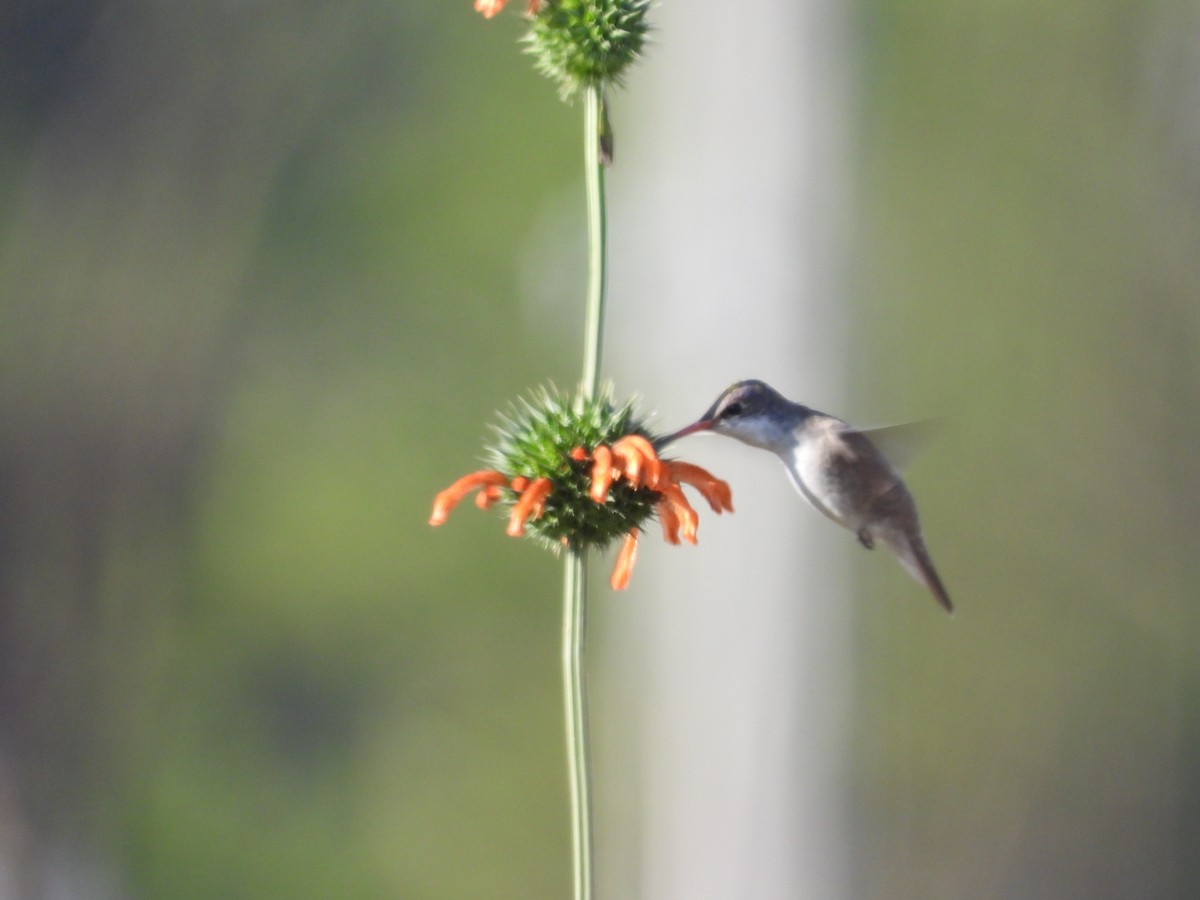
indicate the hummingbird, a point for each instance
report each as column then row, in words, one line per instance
column 836, row 467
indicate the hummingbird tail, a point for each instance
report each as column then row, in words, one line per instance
column 920, row 566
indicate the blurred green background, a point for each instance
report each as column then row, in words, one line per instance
column 260, row 291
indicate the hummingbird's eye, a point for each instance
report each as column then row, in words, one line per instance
column 733, row 409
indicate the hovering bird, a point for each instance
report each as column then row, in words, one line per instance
column 837, row 468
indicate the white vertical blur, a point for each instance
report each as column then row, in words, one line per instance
column 723, row 677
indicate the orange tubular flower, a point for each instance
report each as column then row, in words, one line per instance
column 590, row 476
column 714, row 490
column 487, row 496
column 602, row 473
column 637, row 453
column 625, row 560
column 452, row 496
column 531, row 497
column 490, row 7
column 688, row 520
column 669, row 521
column 530, row 506
column 634, row 458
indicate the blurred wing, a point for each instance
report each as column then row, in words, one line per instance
column 900, row 443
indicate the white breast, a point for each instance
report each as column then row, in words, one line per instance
column 803, row 462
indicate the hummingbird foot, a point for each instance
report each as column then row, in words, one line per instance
column 864, row 538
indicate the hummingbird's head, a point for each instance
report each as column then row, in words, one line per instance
column 751, row 411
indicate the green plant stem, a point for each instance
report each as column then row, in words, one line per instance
column 575, row 581
column 575, row 693
column 593, row 323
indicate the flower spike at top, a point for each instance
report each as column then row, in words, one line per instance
column 581, row 44
column 585, row 473
column 587, row 43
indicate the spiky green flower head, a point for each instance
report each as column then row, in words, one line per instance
column 584, row 43
column 536, row 439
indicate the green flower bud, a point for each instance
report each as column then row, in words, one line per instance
column 536, row 439
column 583, row 473
column 584, row 43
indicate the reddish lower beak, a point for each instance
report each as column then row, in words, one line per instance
column 702, row 425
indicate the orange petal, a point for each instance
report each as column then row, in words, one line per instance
column 656, row 474
column 629, row 463
column 602, row 473
column 486, row 497
column 444, row 502
column 642, row 471
column 688, row 520
column 642, row 458
column 641, row 444
column 519, row 484
column 669, row 521
column 625, row 560
column 490, row 7
column 713, row 489
column 578, row 454
column 530, row 506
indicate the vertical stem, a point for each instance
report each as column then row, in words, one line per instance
column 575, row 581
column 593, row 323
column 575, row 693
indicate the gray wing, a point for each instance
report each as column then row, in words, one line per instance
column 900, row 443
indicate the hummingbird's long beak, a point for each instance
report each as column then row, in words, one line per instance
column 701, row 425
